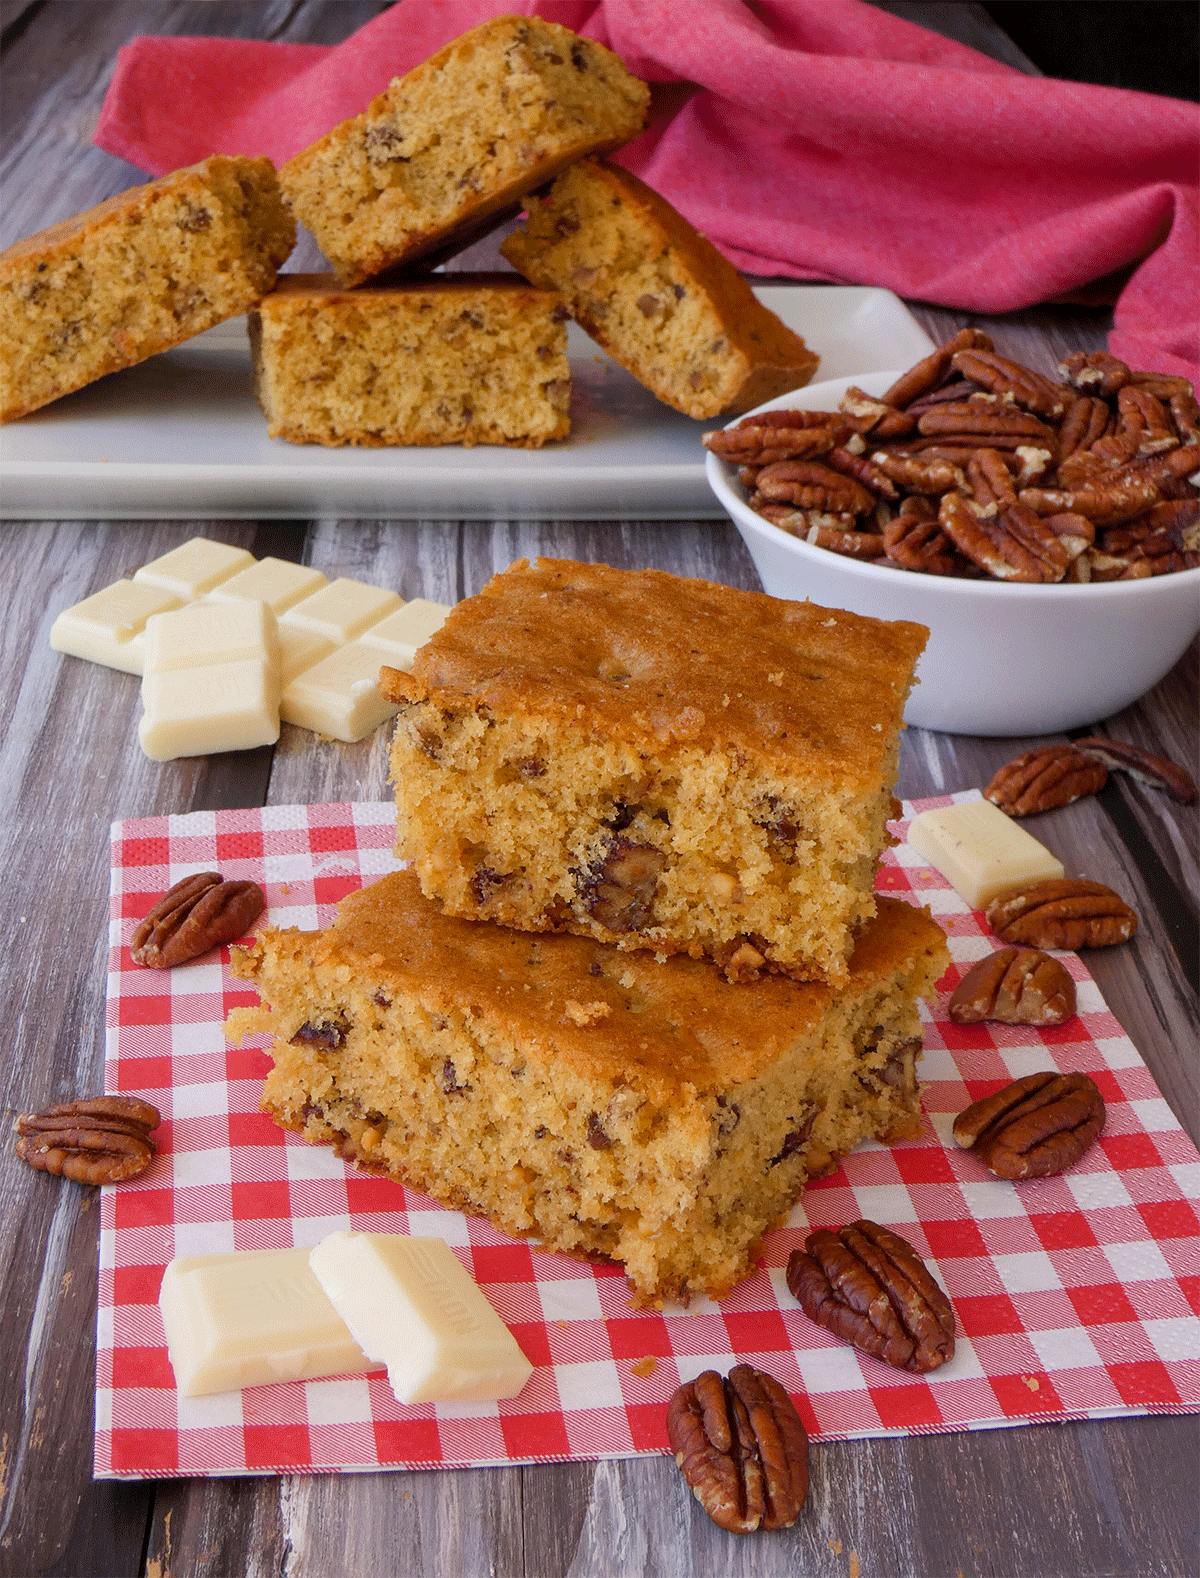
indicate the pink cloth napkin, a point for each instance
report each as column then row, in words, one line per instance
column 824, row 139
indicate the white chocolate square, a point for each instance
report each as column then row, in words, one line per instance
column 980, row 851
column 108, row 627
column 249, row 1318
column 195, row 567
column 299, row 649
column 400, row 634
column 276, row 582
column 343, row 609
column 202, row 711
column 339, row 696
column 207, row 633
column 408, row 1302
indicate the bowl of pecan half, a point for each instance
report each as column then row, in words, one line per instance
column 1045, row 529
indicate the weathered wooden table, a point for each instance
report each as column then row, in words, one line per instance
column 1101, row 1498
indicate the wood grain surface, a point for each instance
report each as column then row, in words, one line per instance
column 1116, row 1497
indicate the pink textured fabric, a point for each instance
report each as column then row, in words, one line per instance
column 823, row 139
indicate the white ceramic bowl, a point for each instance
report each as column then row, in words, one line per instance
column 1002, row 658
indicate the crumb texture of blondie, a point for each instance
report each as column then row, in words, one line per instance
column 445, row 359
column 655, row 762
column 656, row 294
column 141, row 272
column 456, row 142
column 608, row 1105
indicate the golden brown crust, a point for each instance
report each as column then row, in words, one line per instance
column 656, row 294
column 607, row 1015
column 458, row 140
column 612, row 1106
column 661, row 661
column 135, row 275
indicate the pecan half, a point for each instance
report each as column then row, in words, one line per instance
column 1065, row 912
column 1157, row 771
column 104, row 1139
column 1012, row 381
column 811, row 486
column 762, row 440
column 1086, row 421
column 982, row 417
column 1144, row 418
column 197, row 914
column 928, row 374
column 915, row 541
column 869, row 1286
column 1044, row 779
column 919, row 474
column 1035, row 1127
column 1011, row 542
column 1106, row 501
column 618, row 891
column 1014, row 986
column 740, row 1445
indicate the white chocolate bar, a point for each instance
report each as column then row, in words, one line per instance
column 195, row 567
column 980, row 851
column 409, row 1302
column 250, row 1318
column 343, row 609
column 316, row 618
column 339, row 696
column 402, row 632
column 276, row 582
column 109, row 626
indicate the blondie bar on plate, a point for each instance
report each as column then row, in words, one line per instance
column 654, row 762
column 607, row 1104
column 446, row 151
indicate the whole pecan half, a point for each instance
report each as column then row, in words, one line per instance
column 1034, row 1127
column 1065, row 912
column 935, row 368
column 778, row 435
column 869, row 1286
column 1014, row 986
column 104, row 1139
column 740, row 1445
column 1007, row 540
column 1042, row 780
column 198, row 913
column 1012, row 381
column 811, row 486
column 1157, row 771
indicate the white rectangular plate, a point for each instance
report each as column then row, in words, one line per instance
column 181, row 436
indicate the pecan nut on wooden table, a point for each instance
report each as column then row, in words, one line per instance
column 101, row 1140
column 1043, row 780
column 740, row 1445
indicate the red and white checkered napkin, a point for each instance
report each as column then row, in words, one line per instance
column 1076, row 1296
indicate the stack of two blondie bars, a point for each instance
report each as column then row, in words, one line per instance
column 635, row 987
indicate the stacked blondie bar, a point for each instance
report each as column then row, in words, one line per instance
column 635, row 987
column 515, row 112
